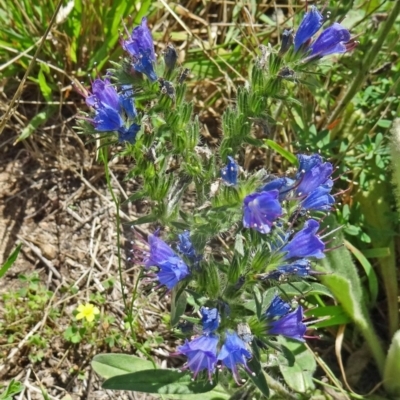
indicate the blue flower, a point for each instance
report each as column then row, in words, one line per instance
column 277, row 308
column 310, row 25
column 171, row 268
column 201, row 353
column 185, row 247
column 209, row 320
column 141, row 48
column 112, row 108
column 128, row 135
column 234, row 352
column 300, row 268
column 159, row 252
column 126, row 101
column 172, row 271
column 305, row 243
column 283, row 185
column 107, row 119
column 312, row 173
column 103, row 94
column 261, row 210
column 290, row 325
column 320, row 199
column 331, row 40
column 230, row 172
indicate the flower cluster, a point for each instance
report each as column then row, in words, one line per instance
column 114, row 108
column 171, row 268
column 140, row 47
column 202, row 351
column 285, row 323
column 113, row 111
column 309, row 190
column 333, row 40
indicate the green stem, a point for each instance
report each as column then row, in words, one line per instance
column 366, row 64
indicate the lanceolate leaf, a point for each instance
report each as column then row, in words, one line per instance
column 343, row 281
column 161, row 381
column 109, row 365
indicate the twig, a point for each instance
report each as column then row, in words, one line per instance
column 45, row 261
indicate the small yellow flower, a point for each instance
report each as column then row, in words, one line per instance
column 87, row 311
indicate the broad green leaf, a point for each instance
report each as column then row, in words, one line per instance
column 377, row 252
column 369, row 271
column 299, row 374
column 284, row 153
column 343, row 281
column 161, row 381
column 335, row 316
column 109, row 365
column 218, row 393
column 391, row 372
column 10, row 261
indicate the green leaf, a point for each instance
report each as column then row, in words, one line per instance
column 110, row 365
column 35, row 122
column 284, row 153
column 178, row 306
column 145, row 220
column 378, row 252
column 391, row 373
column 161, row 381
column 43, row 85
column 299, row 374
column 335, row 316
column 10, row 261
column 12, row 389
column 369, row 271
column 257, row 376
column 343, row 281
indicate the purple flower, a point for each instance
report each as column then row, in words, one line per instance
column 306, row 163
column 128, row 135
column 305, row 243
column 201, row 353
column 209, row 320
column 172, row 271
column 277, row 308
column 140, row 46
column 320, row 199
column 111, row 109
column 103, row 94
column 171, row 268
column 107, row 119
column 185, row 247
column 331, row 40
column 126, row 101
column 159, row 252
column 310, row 25
column 234, row 352
column 300, row 268
column 283, row 185
column 290, row 325
column 261, row 210
column 230, row 172
column 312, row 173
